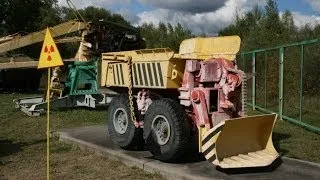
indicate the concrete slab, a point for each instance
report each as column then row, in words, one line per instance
column 95, row 138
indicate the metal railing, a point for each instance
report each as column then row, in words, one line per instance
column 285, row 80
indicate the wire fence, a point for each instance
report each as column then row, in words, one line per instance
column 285, row 80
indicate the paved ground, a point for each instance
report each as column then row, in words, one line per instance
column 95, row 138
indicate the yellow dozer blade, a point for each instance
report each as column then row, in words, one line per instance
column 241, row 142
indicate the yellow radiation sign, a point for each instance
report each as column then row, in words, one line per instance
column 50, row 56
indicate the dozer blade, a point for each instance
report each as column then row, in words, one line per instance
column 241, row 142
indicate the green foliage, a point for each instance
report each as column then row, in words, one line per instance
column 33, row 15
column 266, row 28
column 27, row 15
column 164, row 35
column 92, row 13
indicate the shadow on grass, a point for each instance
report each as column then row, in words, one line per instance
column 22, row 91
column 8, row 147
column 71, row 109
column 277, row 138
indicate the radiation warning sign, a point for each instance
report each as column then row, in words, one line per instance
column 50, row 56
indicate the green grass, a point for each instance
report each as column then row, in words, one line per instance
column 23, row 147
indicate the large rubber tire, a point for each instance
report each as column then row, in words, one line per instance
column 170, row 112
column 128, row 137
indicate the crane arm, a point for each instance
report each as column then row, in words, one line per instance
column 58, row 30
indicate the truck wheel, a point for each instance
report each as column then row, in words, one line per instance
column 120, row 127
column 166, row 130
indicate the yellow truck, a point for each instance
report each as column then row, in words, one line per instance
column 167, row 100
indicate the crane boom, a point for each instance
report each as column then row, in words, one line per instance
column 58, row 30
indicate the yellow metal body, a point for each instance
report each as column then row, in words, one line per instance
column 151, row 68
column 215, row 47
column 241, row 142
column 160, row 68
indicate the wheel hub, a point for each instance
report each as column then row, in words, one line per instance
column 120, row 121
column 161, row 127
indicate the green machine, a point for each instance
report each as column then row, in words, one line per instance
column 82, row 78
column 80, row 90
column 80, row 87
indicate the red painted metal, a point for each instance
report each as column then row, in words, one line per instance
column 143, row 101
column 195, row 96
column 214, row 77
column 211, row 71
column 200, row 109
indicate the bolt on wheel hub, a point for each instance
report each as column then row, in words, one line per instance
column 161, row 128
column 120, row 121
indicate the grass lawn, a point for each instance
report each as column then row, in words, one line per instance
column 23, row 146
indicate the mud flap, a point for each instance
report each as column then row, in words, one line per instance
column 240, row 142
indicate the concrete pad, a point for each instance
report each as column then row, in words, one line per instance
column 95, row 138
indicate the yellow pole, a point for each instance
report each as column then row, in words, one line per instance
column 200, row 138
column 48, row 124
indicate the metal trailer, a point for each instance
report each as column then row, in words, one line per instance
column 35, row 106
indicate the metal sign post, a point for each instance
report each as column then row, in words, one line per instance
column 49, row 57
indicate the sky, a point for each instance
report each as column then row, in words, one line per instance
column 200, row 16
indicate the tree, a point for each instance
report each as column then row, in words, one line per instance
column 92, row 13
column 261, row 28
column 27, row 15
column 165, row 35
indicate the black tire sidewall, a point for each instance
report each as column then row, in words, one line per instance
column 123, row 140
column 176, row 118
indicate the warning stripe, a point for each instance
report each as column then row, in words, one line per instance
column 117, row 71
column 114, row 75
column 146, row 82
column 135, row 75
column 140, row 74
column 208, row 150
column 160, row 74
column 212, row 158
column 121, row 73
column 209, row 143
column 210, row 135
column 148, row 74
column 155, row 73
